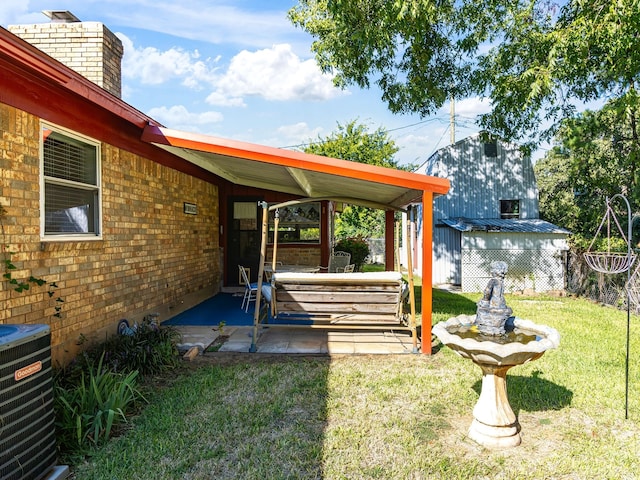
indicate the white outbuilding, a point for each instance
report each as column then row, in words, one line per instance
column 491, row 213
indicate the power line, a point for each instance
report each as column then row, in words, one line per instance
column 435, row 149
column 422, row 122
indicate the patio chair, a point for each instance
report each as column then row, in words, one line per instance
column 350, row 268
column 337, row 261
column 250, row 289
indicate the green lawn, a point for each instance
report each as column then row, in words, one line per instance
column 393, row 417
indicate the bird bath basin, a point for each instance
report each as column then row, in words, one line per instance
column 505, row 343
column 494, row 424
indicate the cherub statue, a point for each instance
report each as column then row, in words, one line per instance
column 494, row 292
column 493, row 312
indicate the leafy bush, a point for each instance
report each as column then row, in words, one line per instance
column 89, row 411
column 602, row 243
column 357, row 247
column 94, row 394
column 148, row 350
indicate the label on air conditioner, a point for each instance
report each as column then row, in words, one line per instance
column 27, row 371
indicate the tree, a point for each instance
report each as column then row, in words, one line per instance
column 594, row 159
column 534, row 59
column 354, row 142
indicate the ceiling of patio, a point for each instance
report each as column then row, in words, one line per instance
column 297, row 173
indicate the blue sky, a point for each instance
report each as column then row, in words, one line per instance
column 239, row 69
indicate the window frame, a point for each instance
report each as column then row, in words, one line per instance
column 49, row 180
column 296, row 225
column 505, row 203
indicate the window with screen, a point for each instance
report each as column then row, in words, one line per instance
column 297, row 224
column 509, row 208
column 70, row 184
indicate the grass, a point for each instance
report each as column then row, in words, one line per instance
column 393, row 417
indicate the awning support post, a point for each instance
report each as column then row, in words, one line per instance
column 276, row 226
column 263, row 254
column 427, row 274
column 412, row 293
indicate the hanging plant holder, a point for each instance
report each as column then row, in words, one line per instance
column 617, row 262
column 610, row 262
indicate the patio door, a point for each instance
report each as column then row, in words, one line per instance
column 244, row 233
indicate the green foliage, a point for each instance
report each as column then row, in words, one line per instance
column 148, row 350
column 354, row 142
column 596, row 158
column 21, row 285
column 98, row 390
column 357, row 247
column 533, row 59
column 89, row 411
column 319, row 417
column 355, row 220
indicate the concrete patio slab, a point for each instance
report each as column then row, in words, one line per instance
column 298, row 340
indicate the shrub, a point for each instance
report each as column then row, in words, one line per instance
column 94, row 394
column 357, row 247
column 148, row 350
column 89, row 411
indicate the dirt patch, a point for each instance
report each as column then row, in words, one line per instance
column 217, row 343
column 541, row 439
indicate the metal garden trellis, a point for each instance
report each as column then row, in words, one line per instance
column 616, row 262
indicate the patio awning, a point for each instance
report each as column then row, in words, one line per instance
column 297, row 173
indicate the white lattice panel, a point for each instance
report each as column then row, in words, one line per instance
column 541, row 270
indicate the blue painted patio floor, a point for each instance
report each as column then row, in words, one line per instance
column 199, row 326
column 223, row 307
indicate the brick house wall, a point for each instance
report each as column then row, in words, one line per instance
column 295, row 255
column 153, row 258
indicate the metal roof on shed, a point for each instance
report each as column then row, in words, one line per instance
column 500, row 225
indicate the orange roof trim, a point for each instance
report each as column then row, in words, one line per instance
column 294, row 159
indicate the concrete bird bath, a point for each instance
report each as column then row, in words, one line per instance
column 495, row 341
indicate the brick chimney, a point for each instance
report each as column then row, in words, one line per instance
column 90, row 48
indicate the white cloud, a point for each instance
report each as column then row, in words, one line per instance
column 471, row 107
column 178, row 117
column 275, row 74
column 210, row 21
column 298, row 133
column 15, row 12
column 153, row 67
column 221, row 99
column 220, row 21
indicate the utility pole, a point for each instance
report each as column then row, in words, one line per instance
column 452, row 120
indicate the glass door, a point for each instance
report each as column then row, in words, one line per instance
column 243, row 242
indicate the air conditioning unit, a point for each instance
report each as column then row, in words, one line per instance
column 27, row 436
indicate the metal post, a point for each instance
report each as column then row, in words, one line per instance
column 626, row 367
column 276, row 226
column 263, row 253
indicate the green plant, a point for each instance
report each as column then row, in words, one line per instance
column 357, row 247
column 89, row 410
column 149, row 350
column 22, row 285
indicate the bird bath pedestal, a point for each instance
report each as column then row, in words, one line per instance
column 494, row 424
